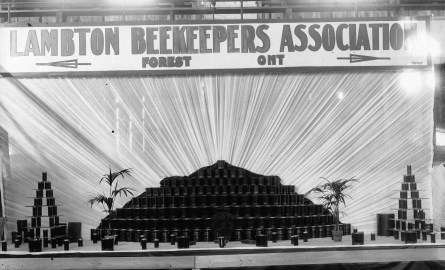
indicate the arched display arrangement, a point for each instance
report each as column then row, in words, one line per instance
column 185, row 206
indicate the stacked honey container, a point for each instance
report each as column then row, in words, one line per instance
column 45, row 220
column 411, row 222
column 185, row 206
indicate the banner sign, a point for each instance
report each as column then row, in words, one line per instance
column 176, row 48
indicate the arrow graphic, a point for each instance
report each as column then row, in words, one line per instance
column 66, row 64
column 354, row 58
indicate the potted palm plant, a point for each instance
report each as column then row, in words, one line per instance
column 333, row 194
column 107, row 200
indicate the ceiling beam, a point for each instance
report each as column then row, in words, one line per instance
column 184, row 7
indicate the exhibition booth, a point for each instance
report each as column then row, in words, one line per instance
column 191, row 121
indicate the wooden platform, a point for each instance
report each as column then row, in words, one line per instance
column 316, row 252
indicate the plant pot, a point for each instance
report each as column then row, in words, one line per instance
column 337, row 235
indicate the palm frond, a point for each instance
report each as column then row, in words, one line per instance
column 112, row 176
column 106, row 178
column 317, row 189
column 333, row 193
column 96, row 199
column 122, row 173
column 112, row 180
column 125, row 190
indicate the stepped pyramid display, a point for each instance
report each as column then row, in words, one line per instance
column 410, row 214
column 45, row 220
column 185, row 206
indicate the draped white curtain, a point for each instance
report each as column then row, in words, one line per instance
column 298, row 126
column 438, row 200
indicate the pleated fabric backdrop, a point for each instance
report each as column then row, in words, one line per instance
column 437, row 182
column 298, row 126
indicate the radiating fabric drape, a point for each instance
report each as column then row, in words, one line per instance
column 437, row 191
column 298, row 126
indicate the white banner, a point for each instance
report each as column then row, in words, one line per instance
column 154, row 49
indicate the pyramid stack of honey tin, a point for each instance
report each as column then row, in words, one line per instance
column 45, row 227
column 411, row 223
column 186, row 206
